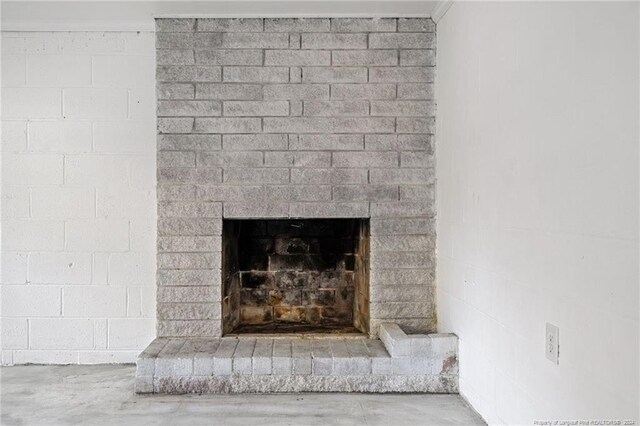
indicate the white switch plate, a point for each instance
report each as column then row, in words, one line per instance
column 552, row 343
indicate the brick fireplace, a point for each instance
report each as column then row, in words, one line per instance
column 296, row 208
column 273, row 119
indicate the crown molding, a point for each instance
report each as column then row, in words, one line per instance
column 440, row 9
column 102, row 15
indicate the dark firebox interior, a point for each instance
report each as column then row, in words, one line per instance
column 295, row 276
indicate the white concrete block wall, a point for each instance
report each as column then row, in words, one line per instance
column 537, row 188
column 78, row 196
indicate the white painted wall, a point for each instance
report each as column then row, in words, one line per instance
column 78, row 196
column 538, row 205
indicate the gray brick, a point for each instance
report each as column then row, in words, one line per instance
column 336, row 108
column 166, row 367
column 297, row 57
column 229, row 57
column 188, row 108
column 403, row 226
column 297, row 25
column 279, row 159
column 192, row 328
column 416, row 25
column 416, row 125
column 295, row 41
column 255, row 74
column 258, row 142
column 175, row 57
column 392, row 293
column 262, row 357
column 365, row 159
column 242, row 356
column 295, row 108
column 401, row 277
column 175, row 25
column 392, row 142
column 208, row 40
column 176, row 159
column 295, row 75
column 403, row 108
column 312, row 159
column 255, row 175
column 417, row 192
column 230, row 159
column 175, row 125
column 401, row 74
column 183, row 243
column 402, row 309
column 363, row 91
column 365, row 192
column 255, row 40
column 322, row 210
column 415, row 91
column 186, row 311
column 407, row 260
column 203, row 365
column 415, row 57
column 366, row 25
column 227, row 125
column 302, row 365
column 191, row 226
column 407, row 176
column 334, row 75
column 334, row 41
column 327, row 142
column 329, row 176
column 189, row 142
column 365, row 57
column 322, row 362
column 417, row 159
column 184, row 209
column 296, row 91
column 172, row 175
column 175, row 91
column 176, row 192
column 256, row 210
column 443, row 344
column 328, row 125
column 256, row 108
column 289, row 193
column 297, row 159
column 188, row 73
column 229, row 193
column 229, row 91
column 230, row 25
column 166, row 40
column 187, row 277
column 402, row 242
column 402, row 208
column 281, row 361
column 402, row 41
column 188, row 294
column 395, row 340
column 223, row 360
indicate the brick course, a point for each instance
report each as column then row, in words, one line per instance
column 280, row 117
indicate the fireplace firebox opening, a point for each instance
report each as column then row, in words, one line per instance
column 295, row 276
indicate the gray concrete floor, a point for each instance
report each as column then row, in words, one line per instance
column 103, row 395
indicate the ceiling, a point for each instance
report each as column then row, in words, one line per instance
column 101, row 15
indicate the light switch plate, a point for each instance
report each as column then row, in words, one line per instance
column 552, row 343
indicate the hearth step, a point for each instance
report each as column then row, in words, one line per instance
column 397, row 363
